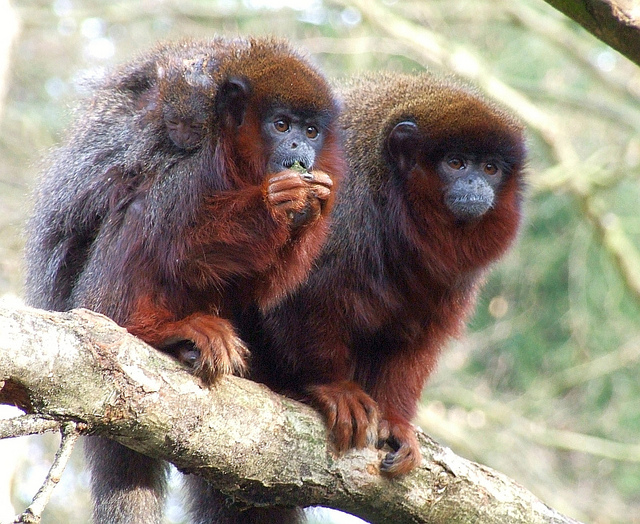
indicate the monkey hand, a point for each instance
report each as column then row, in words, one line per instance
column 400, row 436
column 209, row 345
column 298, row 197
column 350, row 414
column 321, row 184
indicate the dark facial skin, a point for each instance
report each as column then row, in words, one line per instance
column 292, row 137
column 470, row 183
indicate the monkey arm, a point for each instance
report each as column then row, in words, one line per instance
column 256, row 234
column 240, row 236
column 326, row 379
column 233, row 237
column 306, row 205
column 240, row 233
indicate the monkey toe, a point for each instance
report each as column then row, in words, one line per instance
column 223, row 356
column 400, row 462
column 405, row 454
column 211, row 347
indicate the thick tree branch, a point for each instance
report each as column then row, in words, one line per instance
column 615, row 22
column 253, row 444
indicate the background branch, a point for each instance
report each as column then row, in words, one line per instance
column 615, row 22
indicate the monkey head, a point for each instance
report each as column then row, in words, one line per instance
column 260, row 94
column 454, row 149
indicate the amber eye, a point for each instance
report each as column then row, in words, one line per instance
column 455, row 163
column 281, row 125
column 491, row 169
column 312, row 132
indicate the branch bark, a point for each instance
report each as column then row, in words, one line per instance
column 255, row 445
column 615, row 22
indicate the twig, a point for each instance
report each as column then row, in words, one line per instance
column 26, row 425
column 33, row 514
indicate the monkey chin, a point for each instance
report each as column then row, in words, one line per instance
column 468, row 207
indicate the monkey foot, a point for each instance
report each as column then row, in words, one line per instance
column 209, row 345
column 351, row 415
column 401, row 437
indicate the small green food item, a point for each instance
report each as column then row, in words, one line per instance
column 296, row 166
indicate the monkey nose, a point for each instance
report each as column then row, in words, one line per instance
column 294, row 145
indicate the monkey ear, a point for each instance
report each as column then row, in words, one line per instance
column 402, row 145
column 232, row 100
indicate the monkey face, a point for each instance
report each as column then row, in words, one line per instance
column 469, row 184
column 468, row 177
column 291, row 137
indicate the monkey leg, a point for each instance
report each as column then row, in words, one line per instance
column 350, row 414
column 126, row 487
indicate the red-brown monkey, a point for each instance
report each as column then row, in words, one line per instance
column 173, row 205
column 431, row 199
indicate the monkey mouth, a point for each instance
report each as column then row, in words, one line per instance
column 468, row 206
column 296, row 163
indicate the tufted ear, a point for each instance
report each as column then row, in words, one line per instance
column 402, row 144
column 232, row 100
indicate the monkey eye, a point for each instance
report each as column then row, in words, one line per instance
column 491, row 169
column 312, row 132
column 281, row 125
column 456, row 163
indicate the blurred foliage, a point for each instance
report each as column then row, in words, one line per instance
column 545, row 385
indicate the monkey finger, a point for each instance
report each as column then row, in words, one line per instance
column 288, row 176
column 287, row 188
column 184, row 351
column 321, row 178
column 383, row 433
column 351, row 415
column 283, row 186
column 327, row 405
column 364, row 414
column 221, row 351
column 343, row 430
column 226, row 354
column 321, row 192
column 295, row 198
